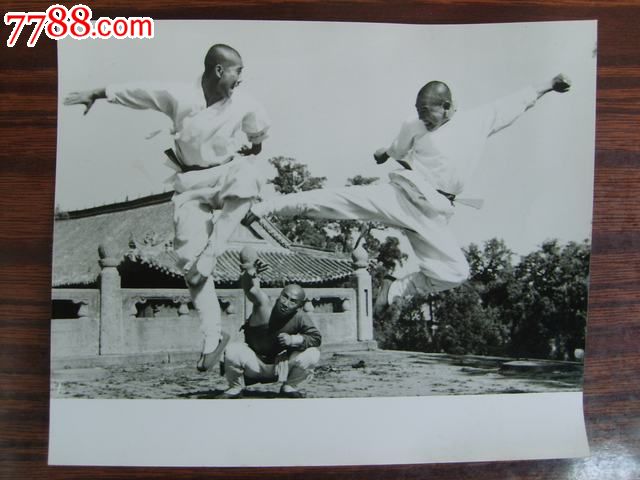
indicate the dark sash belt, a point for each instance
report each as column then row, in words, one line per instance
column 177, row 162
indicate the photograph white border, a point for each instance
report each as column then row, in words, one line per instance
column 368, row 431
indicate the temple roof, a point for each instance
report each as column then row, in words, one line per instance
column 141, row 231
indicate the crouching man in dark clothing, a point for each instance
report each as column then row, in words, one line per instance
column 281, row 341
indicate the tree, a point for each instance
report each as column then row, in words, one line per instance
column 295, row 177
column 465, row 325
column 492, row 276
column 536, row 308
column 550, row 301
column 404, row 326
column 491, row 270
column 467, row 319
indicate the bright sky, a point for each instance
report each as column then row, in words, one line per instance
column 335, row 92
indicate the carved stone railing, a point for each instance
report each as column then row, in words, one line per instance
column 123, row 321
column 78, row 333
column 164, row 320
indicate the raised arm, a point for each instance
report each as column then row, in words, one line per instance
column 159, row 97
column 85, row 97
column 250, row 284
column 507, row 110
column 250, row 268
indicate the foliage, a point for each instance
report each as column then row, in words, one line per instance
column 404, row 326
column 293, row 177
column 536, row 308
column 550, row 300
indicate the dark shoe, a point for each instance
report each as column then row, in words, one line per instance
column 249, row 218
column 291, row 394
column 208, row 360
column 230, row 396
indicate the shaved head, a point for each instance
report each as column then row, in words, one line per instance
column 434, row 105
column 290, row 300
column 220, row 54
column 435, row 90
column 296, row 292
column 222, row 73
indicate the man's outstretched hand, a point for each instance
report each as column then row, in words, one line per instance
column 255, row 268
column 86, row 98
column 560, row 83
column 250, row 263
column 261, row 267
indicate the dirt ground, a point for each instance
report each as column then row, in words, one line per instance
column 378, row 373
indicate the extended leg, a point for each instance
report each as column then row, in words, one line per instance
column 192, row 220
column 367, row 203
column 226, row 223
column 442, row 263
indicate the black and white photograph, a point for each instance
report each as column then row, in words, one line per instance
column 376, row 233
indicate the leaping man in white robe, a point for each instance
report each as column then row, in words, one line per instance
column 438, row 150
column 218, row 131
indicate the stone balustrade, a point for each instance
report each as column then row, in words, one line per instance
column 112, row 320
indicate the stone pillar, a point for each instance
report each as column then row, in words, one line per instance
column 364, row 311
column 111, row 319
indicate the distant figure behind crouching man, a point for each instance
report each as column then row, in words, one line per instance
column 281, row 340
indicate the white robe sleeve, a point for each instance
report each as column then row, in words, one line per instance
column 403, row 141
column 144, row 96
column 507, row 110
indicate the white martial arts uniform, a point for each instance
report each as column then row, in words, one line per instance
column 205, row 137
column 440, row 160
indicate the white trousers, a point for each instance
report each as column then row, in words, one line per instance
column 195, row 226
column 441, row 262
column 240, row 362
